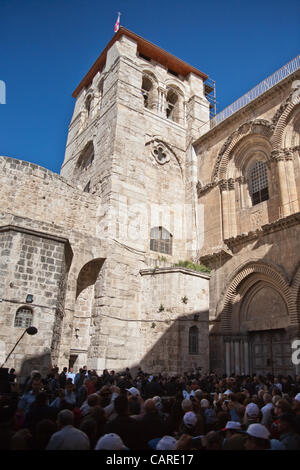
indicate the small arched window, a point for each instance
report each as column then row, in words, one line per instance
column 86, row 157
column 172, row 104
column 161, row 240
column 147, row 86
column 258, row 182
column 23, row 318
column 88, row 103
column 193, row 340
column 100, row 93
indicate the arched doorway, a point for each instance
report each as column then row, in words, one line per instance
column 255, row 321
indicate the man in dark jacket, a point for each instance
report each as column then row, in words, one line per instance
column 152, row 424
column 127, row 428
column 63, row 377
column 153, row 388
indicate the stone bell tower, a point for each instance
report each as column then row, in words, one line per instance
column 136, row 111
column 129, row 143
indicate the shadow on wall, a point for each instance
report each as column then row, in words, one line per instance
column 41, row 363
column 184, row 346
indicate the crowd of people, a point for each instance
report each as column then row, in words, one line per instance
column 88, row 411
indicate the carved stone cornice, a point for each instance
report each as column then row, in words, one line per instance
column 201, row 190
column 223, row 184
column 266, row 229
column 220, row 253
column 281, row 155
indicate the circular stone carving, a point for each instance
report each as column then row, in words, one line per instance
column 160, row 153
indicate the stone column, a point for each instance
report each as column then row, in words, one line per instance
column 232, row 211
column 227, row 352
column 225, row 207
column 161, row 100
column 279, row 157
column 232, row 360
column 237, row 357
column 290, row 173
column 246, row 357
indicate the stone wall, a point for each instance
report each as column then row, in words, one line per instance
column 173, row 301
column 31, row 264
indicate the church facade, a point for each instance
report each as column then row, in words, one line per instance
column 168, row 241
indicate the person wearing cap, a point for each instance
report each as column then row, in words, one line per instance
column 133, row 391
column 258, row 437
column 287, row 426
column 235, row 438
column 252, row 414
column 231, row 428
column 110, row 442
column 190, row 425
column 209, row 414
column 166, row 443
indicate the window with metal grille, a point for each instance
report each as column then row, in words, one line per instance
column 23, row 317
column 161, row 240
column 193, row 340
column 258, row 179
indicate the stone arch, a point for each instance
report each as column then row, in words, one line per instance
column 242, row 155
column 259, row 127
column 170, row 83
column 282, row 115
column 291, row 132
column 149, row 89
column 174, row 103
column 254, row 291
column 83, row 309
column 88, row 274
column 261, row 270
column 295, row 296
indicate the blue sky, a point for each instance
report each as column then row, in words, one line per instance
column 47, row 46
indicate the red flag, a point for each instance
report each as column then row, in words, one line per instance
column 117, row 25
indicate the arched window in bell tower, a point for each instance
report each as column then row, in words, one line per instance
column 88, row 105
column 149, row 91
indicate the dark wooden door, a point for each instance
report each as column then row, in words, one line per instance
column 271, row 353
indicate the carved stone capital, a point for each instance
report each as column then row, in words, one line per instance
column 277, row 155
column 231, row 183
column 223, row 184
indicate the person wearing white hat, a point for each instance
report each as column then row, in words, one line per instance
column 231, row 428
column 166, row 443
column 252, row 414
column 190, row 419
column 133, row 391
column 258, row 437
column 110, row 442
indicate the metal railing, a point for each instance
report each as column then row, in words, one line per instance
column 262, row 87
